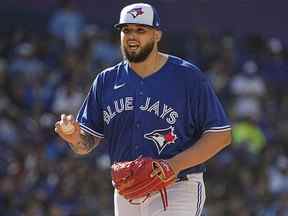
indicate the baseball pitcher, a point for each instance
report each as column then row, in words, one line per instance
column 160, row 119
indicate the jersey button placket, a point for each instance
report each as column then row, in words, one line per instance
column 141, row 93
column 137, row 144
column 137, row 125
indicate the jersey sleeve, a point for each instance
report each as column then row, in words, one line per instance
column 209, row 113
column 90, row 115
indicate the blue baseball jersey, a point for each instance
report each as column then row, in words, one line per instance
column 159, row 116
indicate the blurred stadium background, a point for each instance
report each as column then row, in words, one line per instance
column 51, row 50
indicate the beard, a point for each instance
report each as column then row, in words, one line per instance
column 141, row 55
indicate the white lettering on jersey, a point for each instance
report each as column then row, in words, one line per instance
column 126, row 104
column 106, row 117
column 122, row 107
column 111, row 114
column 146, row 104
column 165, row 111
column 118, row 107
column 155, row 107
column 129, row 103
column 173, row 117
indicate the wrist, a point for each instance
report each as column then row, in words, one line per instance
column 174, row 164
column 78, row 148
column 75, row 141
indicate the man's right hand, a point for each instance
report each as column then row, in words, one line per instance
column 60, row 126
column 81, row 142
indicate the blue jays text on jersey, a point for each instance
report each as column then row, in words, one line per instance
column 126, row 104
column 159, row 116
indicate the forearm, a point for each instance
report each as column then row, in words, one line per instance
column 206, row 147
column 85, row 144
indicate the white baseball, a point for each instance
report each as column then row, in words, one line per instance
column 68, row 128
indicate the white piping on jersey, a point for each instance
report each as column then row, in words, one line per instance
column 218, row 129
column 221, row 127
column 90, row 131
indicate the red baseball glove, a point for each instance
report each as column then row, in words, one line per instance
column 142, row 177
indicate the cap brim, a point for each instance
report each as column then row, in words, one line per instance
column 120, row 25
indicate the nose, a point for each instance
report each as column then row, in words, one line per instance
column 131, row 35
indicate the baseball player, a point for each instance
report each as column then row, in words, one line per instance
column 155, row 105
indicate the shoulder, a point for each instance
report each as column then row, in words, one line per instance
column 110, row 73
column 186, row 69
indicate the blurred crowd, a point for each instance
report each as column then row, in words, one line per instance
column 43, row 74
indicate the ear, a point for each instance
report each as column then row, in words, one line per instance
column 158, row 35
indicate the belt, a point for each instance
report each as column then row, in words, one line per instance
column 187, row 176
column 182, row 178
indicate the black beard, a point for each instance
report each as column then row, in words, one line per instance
column 141, row 56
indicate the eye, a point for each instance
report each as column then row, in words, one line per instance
column 141, row 30
column 125, row 30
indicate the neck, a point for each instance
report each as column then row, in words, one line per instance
column 151, row 65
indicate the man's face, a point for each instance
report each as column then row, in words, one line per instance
column 137, row 42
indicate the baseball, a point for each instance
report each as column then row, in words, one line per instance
column 68, row 128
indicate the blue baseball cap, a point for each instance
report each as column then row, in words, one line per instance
column 139, row 13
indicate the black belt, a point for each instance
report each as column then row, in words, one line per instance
column 182, row 178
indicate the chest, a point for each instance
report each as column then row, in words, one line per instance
column 165, row 100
